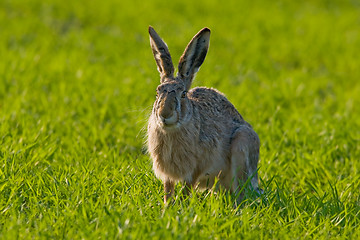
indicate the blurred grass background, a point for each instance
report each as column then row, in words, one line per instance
column 77, row 84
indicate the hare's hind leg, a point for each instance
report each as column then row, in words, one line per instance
column 244, row 158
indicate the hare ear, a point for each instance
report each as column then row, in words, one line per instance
column 161, row 55
column 194, row 56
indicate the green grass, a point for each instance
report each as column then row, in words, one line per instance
column 78, row 81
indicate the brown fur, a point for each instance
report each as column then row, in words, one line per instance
column 196, row 136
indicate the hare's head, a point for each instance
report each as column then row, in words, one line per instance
column 172, row 106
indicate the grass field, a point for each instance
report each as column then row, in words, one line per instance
column 77, row 83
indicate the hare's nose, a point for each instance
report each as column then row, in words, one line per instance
column 170, row 120
column 165, row 114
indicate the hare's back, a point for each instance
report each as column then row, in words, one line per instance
column 214, row 105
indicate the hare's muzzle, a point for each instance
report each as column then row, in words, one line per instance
column 167, row 110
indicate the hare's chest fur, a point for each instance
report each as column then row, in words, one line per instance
column 184, row 156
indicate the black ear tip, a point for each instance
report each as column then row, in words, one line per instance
column 151, row 29
column 206, row 29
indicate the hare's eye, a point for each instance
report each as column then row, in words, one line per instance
column 183, row 94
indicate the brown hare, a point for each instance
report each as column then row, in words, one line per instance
column 196, row 135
